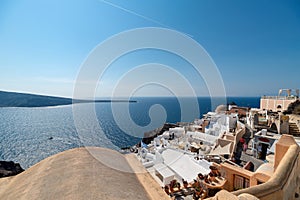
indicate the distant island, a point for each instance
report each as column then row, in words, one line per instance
column 14, row 99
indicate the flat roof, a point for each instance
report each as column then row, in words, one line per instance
column 183, row 165
column 269, row 135
column 163, row 170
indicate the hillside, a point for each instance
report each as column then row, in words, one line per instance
column 14, row 99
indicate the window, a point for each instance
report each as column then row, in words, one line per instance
column 247, row 183
column 279, row 107
column 259, row 182
column 240, row 182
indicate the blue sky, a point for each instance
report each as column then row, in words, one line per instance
column 254, row 44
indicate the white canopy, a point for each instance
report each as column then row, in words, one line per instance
column 166, row 174
column 183, row 165
column 203, row 136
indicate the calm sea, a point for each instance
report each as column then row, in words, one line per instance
column 28, row 135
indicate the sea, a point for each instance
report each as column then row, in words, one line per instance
column 29, row 135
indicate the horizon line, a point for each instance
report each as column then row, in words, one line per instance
column 145, row 96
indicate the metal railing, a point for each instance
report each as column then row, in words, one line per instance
column 280, row 97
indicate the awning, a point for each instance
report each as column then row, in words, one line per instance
column 183, row 165
column 165, row 174
column 203, row 137
column 163, row 170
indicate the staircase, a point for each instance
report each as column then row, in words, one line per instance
column 293, row 129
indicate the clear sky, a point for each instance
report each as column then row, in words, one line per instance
column 255, row 44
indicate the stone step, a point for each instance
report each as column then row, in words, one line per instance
column 294, row 132
column 293, row 126
column 294, row 129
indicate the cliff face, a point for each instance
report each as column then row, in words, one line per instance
column 149, row 136
column 13, row 99
column 9, row 168
column 293, row 108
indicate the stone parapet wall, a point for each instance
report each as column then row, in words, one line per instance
column 285, row 182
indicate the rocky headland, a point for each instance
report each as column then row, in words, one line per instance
column 9, row 168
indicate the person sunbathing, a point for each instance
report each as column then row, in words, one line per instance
column 200, row 177
column 214, row 171
column 166, row 188
column 206, row 180
column 212, row 178
column 185, row 183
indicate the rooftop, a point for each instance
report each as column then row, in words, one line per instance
column 76, row 174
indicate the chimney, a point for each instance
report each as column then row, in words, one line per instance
column 281, row 148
